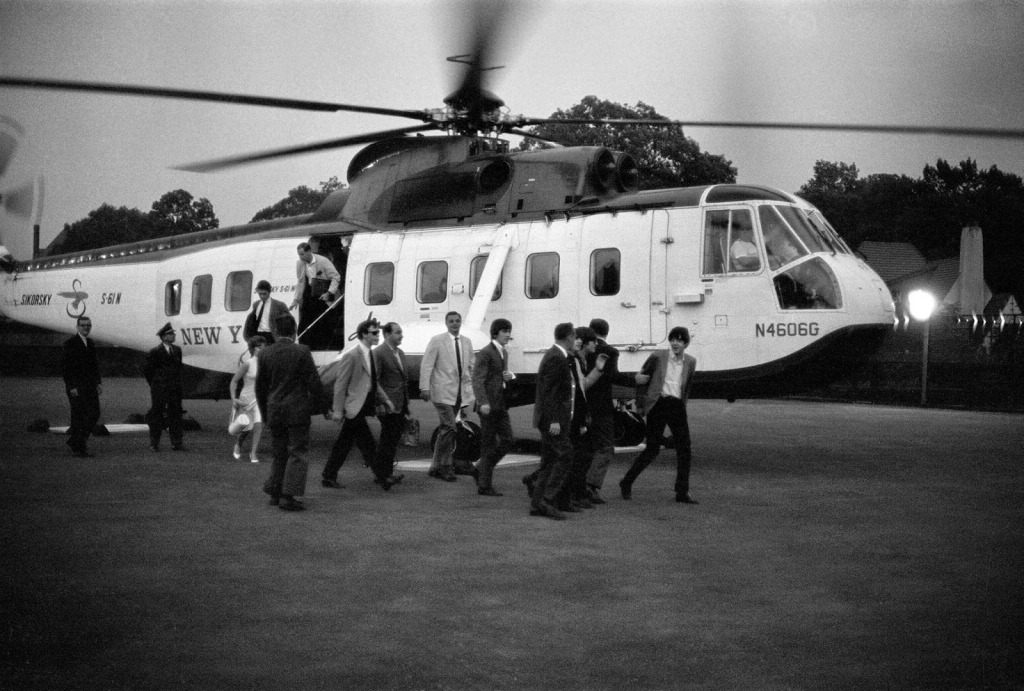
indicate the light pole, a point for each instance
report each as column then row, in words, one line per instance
column 921, row 304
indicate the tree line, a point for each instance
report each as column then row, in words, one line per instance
column 928, row 211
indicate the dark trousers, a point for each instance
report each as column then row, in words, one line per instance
column 319, row 336
column 582, row 457
column 354, row 430
column 290, row 465
column 555, row 459
column 670, row 412
column 85, row 413
column 496, row 438
column 165, row 412
column 391, row 426
column 602, row 438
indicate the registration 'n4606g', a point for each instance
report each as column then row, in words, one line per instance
column 783, row 329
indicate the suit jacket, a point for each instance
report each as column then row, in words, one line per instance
column 656, row 366
column 439, row 370
column 79, row 366
column 554, row 391
column 346, row 382
column 276, row 307
column 163, row 370
column 392, row 378
column 488, row 382
column 287, row 385
column 599, row 395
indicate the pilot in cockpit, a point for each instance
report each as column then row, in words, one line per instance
column 743, row 254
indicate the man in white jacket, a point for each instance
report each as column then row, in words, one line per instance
column 446, row 379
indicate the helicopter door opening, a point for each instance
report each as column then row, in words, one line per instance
column 322, row 323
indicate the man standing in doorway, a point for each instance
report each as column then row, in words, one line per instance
column 317, row 287
column 446, row 380
column 664, row 401
column 265, row 311
column 163, row 370
column 491, row 377
column 287, row 391
column 81, row 372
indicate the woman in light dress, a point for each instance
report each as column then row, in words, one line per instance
column 244, row 401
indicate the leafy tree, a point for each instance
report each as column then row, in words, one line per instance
column 179, row 212
column 300, row 200
column 665, row 156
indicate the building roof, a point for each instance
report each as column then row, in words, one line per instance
column 944, row 275
column 892, row 260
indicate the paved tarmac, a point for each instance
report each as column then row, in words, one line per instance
column 835, row 546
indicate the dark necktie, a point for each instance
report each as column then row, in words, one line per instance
column 259, row 317
column 373, row 375
column 458, row 362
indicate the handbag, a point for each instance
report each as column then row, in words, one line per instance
column 410, row 432
column 317, row 287
column 239, row 421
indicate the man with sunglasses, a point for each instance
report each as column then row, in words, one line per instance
column 356, row 395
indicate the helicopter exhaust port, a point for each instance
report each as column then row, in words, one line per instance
column 492, row 176
column 603, row 171
column 627, row 174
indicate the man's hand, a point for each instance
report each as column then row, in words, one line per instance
column 337, row 417
column 425, row 394
column 327, row 297
column 73, row 393
column 485, row 409
column 642, row 378
column 555, row 429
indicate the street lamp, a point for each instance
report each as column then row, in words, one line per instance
column 921, row 304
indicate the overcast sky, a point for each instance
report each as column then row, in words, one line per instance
column 892, row 62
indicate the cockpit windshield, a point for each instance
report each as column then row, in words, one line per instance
column 780, row 242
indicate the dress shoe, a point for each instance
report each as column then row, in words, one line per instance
column 685, row 499
column 396, row 479
column 82, row 453
column 291, row 504
column 178, row 447
column 567, row 507
column 582, row 503
column 489, row 492
column 155, row 448
column 333, row 484
column 389, row 482
column 627, row 490
column 448, row 475
column 434, row 473
column 528, row 481
column 274, row 501
column 237, row 452
column 548, row 511
column 595, row 496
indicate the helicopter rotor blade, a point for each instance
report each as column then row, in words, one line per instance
column 19, row 200
column 211, row 96
column 232, row 161
column 488, row 21
column 982, row 132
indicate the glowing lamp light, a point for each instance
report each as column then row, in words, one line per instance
column 921, row 304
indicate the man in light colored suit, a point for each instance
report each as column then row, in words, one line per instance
column 317, row 286
column 392, row 369
column 665, row 380
column 357, row 395
column 446, row 379
column 287, row 388
column 491, row 377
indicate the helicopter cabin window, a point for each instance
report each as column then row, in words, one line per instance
column 604, row 271
column 379, row 283
column 729, row 242
column 542, row 275
column 172, row 298
column 476, row 270
column 780, row 242
column 432, row 282
column 202, row 292
column 237, row 291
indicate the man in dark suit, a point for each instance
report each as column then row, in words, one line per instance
column 491, row 376
column 265, row 312
column 287, row 391
column 665, row 380
column 357, row 394
column 163, row 369
column 81, row 372
column 389, row 360
column 602, row 408
column 552, row 415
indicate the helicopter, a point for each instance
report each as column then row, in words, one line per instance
column 458, row 221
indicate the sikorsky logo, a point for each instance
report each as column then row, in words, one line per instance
column 77, row 298
column 38, row 299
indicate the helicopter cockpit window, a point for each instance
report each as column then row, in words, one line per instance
column 432, row 282
column 476, row 270
column 780, row 242
column 730, row 245
column 826, row 229
column 172, row 298
column 808, row 286
column 202, row 293
column 810, row 235
column 237, row 291
column 604, row 271
column 379, row 283
column 542, row 275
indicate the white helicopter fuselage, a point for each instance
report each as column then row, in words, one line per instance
column 669, row 265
